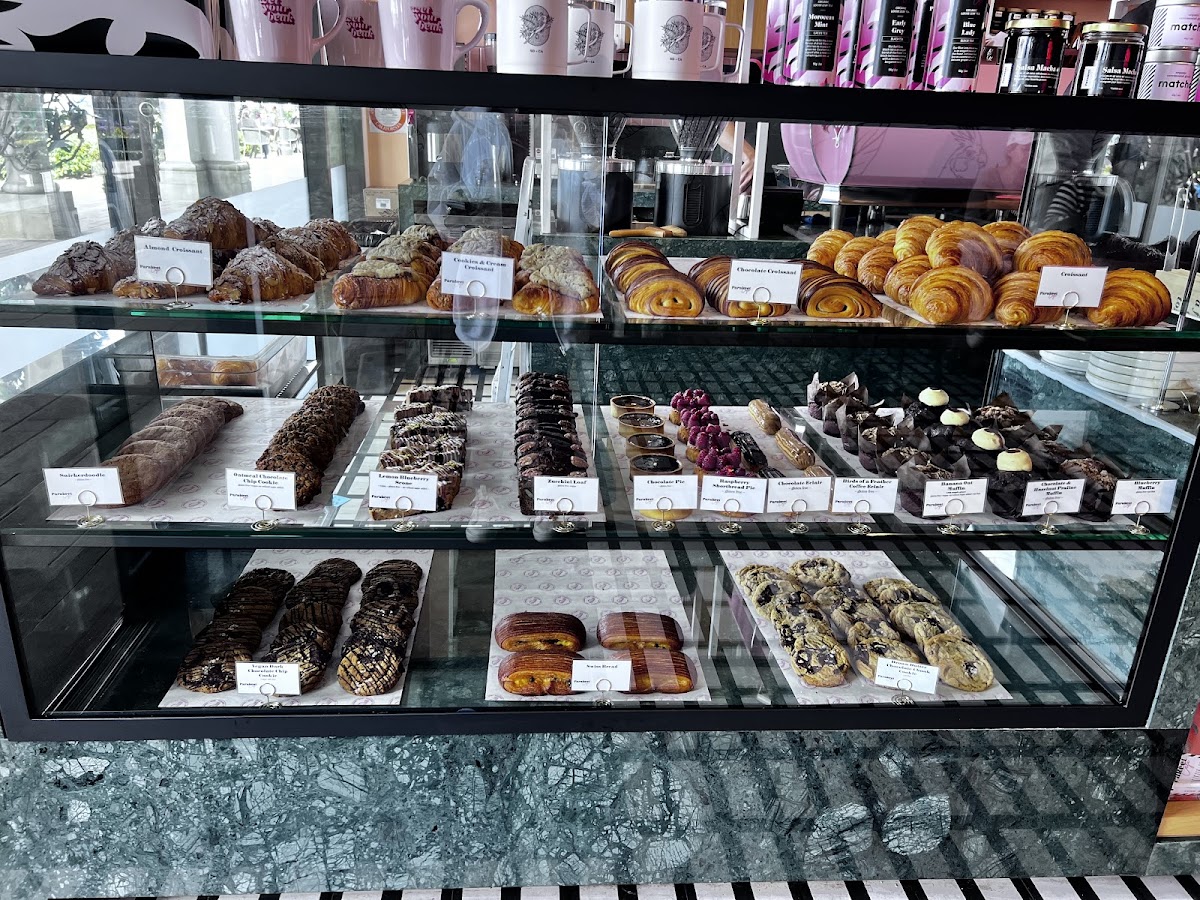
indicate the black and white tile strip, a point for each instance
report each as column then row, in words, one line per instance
column 1185, row 887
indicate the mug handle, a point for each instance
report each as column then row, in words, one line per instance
column 741, row 48
column 588, row 12
column 338, row 25
column 485, row 19
column 628, row 46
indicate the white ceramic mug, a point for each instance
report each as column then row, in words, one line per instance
column 360, row 42
column 419, row 34
column 531, row 35
column 712, row 42
column 278, row 30
column 592, row 45
column 667, row 40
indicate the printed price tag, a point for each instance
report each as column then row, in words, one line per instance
column 244, row 487
column 550, row 494
column 1063, row 497
column 383, row 202
column 168, row 261
column 764, row 281
column 397, row 490
column 268, row 679
column 601, row 674
column 954, row 498
column 906, row 676
column 652, row 491
column 784, row 494
column 65, row 485
column 726, row 494
column 464, row 275
column 1071, row 286
column 850, row 494
column 1141, row 497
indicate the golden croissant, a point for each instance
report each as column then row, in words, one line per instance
column 847, row 259
column 900, row 280
column 1131, row 298
column 824, row 249
column 1051, row 248
column 951, row 295
column 912, row 235
column 965, row 244
column 1016, row 301
column 874, row 266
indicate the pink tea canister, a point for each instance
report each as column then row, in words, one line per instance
column 847, row 49
column 956, row 40
column 773, row 46
column 885, row 33
column 812, row 42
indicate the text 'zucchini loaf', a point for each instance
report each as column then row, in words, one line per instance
column 309, row 438
column 546, row 440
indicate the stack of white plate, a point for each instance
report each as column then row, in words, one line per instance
column 1139, row 375
column 1071, row 360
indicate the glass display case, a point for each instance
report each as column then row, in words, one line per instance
column 514, row 416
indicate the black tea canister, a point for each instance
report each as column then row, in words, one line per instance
column 1033, row 52
column 1110, row 60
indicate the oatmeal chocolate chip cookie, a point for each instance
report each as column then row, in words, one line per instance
column 890, row 592
column 820, row 571
column 961, row 663
column 368, row 667
column 209, row 669
column 867, row 648
column 921, row 621
column 308, row 476
column 819, row 659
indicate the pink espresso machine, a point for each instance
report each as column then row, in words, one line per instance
column 883, row 166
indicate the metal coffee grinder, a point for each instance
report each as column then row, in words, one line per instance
column 693, row 192
column 595, row 189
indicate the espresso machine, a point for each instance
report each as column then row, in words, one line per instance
column 595, row 188
column 693, row 191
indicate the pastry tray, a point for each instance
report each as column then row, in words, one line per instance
column 830, row 449
column 864, row 565
column 489, row 486
column 587, row 584
column 733, row 418
column 328, row 692
column 197, row 494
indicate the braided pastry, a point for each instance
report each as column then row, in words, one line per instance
column 824, row 249
column 1016, row 298
column 912, row 235
column 1009, row 236
column 836, row 297
column 951, row 295
column 965, row 244
column 664, row 293
column 848, row 257
column 1051, row 248
column 1131, row 298
column 874, row 266
column 902, row 276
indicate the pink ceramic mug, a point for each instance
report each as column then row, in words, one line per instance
column 419, row 34
column 278, row 30
column 360, row 42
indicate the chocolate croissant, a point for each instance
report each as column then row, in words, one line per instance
column 1016, row 301
column 846, row 262
column 913, row 234
column 951, row 296
column 902, row 276
column 638, row 630
column 1131, row 298
column 965, row 244
column 664, row 293
column 874, row 266
column 712, row 277
column 824, row 249
column 1051, row 248
column 835, row 297
column 629, row 252
column 540, row 631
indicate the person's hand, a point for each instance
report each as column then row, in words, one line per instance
column 747, row 174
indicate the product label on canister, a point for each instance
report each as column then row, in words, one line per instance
column 894, row 39
column 964, row 36
column 1168, row 81
column 1175, row 26
column 1108, row 69
column 819, row 35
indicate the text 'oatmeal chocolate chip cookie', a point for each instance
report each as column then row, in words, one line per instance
column 922, row 621
column 961, row 663
column 819, row 659
column 820, row 571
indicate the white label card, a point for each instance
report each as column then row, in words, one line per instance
column 403, row 491
column 383, row 202
column 268, row 679
column 168, row 261
column 566, row 495
column 601, row 674
column 728, row 494
column 651, row 492
column 864, row 495
column 1140, row 497
column 798, row 495
column 244, row 487
column 64, row 486
column 1071, row 286
column 954, row 497
column 764, row 281
column 464, row 275
column 906, row 676
column 1063, row 497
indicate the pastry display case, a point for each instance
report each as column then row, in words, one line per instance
column 276, row 462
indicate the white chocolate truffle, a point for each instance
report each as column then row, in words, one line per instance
column 955, row 416
column 1014, row 461
column 933, row 397
column 986, row 439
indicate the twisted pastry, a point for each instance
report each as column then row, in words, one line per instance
column 712, row 277
column 1016, row 298
column 664, row 293
column 836, row 297
column 902, row 276
column 632, row 267
column 1131, row 298
column 887, row 237
column 965, row 244
column 874, row 266
column 824, row 249
column 629, row 252
column 1051, row 248
column 951, row 295
column 848, row 257
column 912, row 235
